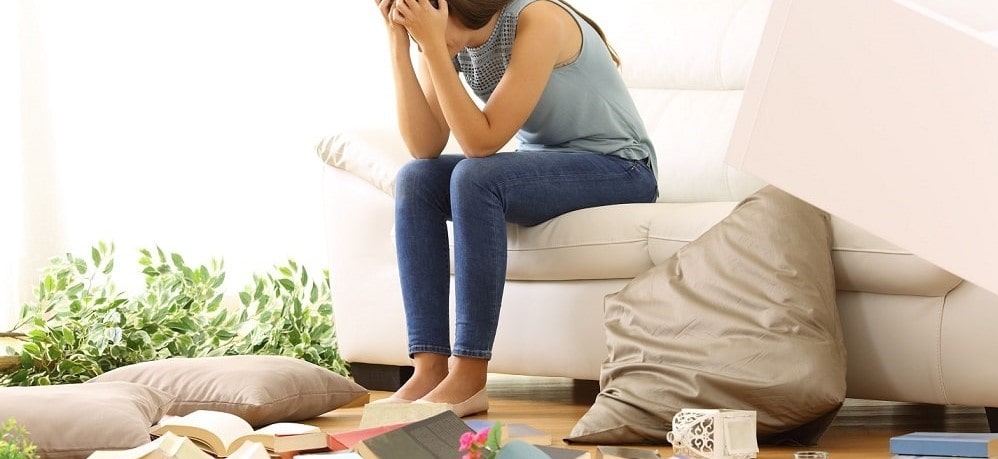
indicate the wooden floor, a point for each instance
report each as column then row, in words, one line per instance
column 861, row 429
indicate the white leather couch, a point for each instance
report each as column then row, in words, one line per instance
column 913, row 331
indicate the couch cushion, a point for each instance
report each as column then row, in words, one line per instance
column 863, row 262
column 609, row 242
column 687, row 86
column 686, row 63
column 374, row 155
column 867, row 263
column 690, row 131
column 623, row 241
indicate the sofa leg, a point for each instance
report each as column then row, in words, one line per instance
column 373, row 376
column 584, row 390
column 992, row 414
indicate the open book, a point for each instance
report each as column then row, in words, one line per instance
column 167, row 446
column 438, row 436
column 221, row 433
column 170, row 446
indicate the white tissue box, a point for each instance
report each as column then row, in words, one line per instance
column 714, row 434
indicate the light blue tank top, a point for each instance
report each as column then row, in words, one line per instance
column 585, row 105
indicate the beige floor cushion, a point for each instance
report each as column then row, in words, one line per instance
column 744, row 317
column 71, row 421
column 262, row 389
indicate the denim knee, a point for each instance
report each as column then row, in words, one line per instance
column 421, row 175
column 411, row 176
column 474, row 174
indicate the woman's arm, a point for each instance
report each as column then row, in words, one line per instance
column 536, row 48
column 421, row 123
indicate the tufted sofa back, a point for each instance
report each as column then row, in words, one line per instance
column 686, row 63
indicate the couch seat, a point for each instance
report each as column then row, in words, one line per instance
column 623, row 241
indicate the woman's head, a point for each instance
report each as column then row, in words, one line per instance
column 475, row 14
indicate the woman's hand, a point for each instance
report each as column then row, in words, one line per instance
column 396, row 32
column 425, row 23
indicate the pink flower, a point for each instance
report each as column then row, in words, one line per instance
column 466, row 440
column 477, row 445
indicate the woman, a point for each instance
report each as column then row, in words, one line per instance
column 544, row 74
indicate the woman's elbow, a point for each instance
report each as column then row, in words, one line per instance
column 479, row 150
column 424, row 154
column 480, row 153
column 425, row 150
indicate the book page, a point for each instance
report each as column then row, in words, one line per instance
column 168, row 445
column 286, row 436
column 250, row 450
column 137, row 452
column 217, row 429
column 182, row 448
column 287, row 428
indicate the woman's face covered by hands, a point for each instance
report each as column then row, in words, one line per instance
column 429, row 24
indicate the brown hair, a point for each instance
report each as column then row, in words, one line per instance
column 475, row 14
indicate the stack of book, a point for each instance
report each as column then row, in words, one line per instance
column 439, row 436
column 934, row 445
column 215, row 434
column 221, row 433
column 514, row 431
column 346, row 441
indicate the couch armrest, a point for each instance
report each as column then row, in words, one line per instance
column 374, row 154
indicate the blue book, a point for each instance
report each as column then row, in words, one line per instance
column 513, row 431
column 909, row 456
column 964, row 444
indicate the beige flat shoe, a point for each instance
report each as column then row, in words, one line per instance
column 390, row 399
column 475, row 404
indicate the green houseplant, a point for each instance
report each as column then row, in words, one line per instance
column 82, row 324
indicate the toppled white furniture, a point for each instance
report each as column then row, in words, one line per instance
column 910, row 122
column 914, row 332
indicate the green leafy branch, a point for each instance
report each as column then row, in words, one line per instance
column 82, row 325
column 15, row 443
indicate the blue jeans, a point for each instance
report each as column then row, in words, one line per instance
column 480, row 195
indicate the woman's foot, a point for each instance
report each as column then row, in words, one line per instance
column 453, row 390
column 475, row 404
column 394, row 398
column 463, row 388
column 430, row 370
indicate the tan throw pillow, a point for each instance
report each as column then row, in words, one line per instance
column 744, row 317
column 72, row 421
column 262, row 389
